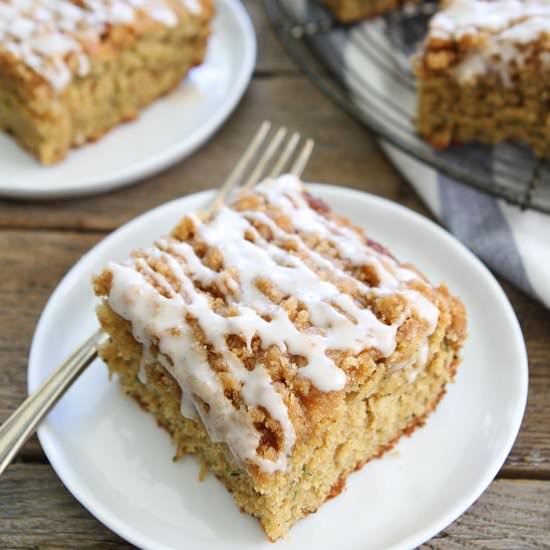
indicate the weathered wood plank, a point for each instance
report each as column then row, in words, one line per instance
column 36, row 511
column 39, row 241
column 111, row 210
column 345, row 153
column 25, row 287
column 531, row 452
column 272, row 59
column 31, row 266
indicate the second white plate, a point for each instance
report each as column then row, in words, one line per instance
column 117, row 463
column 167, row 131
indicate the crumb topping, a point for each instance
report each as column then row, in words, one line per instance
column 267, row 277
column 476, row 37
column 52, row 36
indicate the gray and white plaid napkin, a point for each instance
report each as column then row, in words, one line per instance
column 513, row 243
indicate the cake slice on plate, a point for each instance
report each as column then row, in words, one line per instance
column 483, row 74
column 70, row 70
column 280, row 345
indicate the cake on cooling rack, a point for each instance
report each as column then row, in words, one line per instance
column 72, row 69
column 483, row 74
column 348, row 11
column 278, row 344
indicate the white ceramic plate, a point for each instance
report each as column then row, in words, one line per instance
column 167, row 131
column 117, row 463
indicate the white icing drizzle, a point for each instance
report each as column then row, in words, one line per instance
column 159, row 307
column 45, row 34
column 350, row 245
column 506, row 28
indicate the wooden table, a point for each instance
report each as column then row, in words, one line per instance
column 40, row 241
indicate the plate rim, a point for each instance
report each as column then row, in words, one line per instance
column 178, row 151
column 102, row 513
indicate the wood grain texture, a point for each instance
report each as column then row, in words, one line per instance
column 359, row 163
column 40, row 241
column 25, row 289
column 272, row 59
column 530, row 456
column 510, row 515
column 278, row 92
column 36, row 511
column 31, row 266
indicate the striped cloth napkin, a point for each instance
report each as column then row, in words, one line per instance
column 513, row 243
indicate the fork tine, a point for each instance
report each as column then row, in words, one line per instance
column 237, row 173
column 265, row 158
column 287, row 153
column 303, row 157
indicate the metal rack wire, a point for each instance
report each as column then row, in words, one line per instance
column 365, row 68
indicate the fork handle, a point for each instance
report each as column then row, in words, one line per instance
column 23, row 421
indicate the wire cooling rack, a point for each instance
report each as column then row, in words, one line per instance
column 365, row 68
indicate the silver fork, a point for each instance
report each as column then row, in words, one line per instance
column 278, row 151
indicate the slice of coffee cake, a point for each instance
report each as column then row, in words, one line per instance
column 482, row 74
column 280, row 345
column 70, row 70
